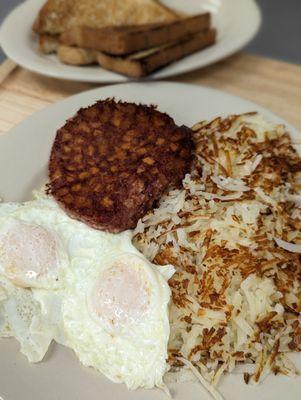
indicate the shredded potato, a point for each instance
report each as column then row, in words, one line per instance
column 233, row 234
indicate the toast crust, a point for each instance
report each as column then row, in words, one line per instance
column 48, row 43
column 144, row 63
column 130, row 39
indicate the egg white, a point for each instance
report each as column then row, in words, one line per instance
column 30, row 308
column 57, row 303
column 134, row 353
column 23, row 229
column 21, row 318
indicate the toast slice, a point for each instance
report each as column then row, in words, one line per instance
column 48, row 43
column 56, row 16
column 146, row 62
column 76, row 56
column 130, row 39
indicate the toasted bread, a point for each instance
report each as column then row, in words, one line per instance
column 129, row 39
column 48, row 44
column 146, row 62
column 56, row 16
column 76, row 56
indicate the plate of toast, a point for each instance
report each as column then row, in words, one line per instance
column 111, row 41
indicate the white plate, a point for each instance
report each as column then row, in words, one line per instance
column 24, row 155
column 237, row 22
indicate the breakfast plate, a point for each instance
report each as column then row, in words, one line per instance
column 24, row 153
column 236, row 21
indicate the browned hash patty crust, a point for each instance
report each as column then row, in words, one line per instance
column 112, row 162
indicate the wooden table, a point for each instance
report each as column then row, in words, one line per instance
column 273, row 84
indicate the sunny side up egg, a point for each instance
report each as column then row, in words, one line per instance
column 86, row 289
column 32, row 261
column 116, row 317
column 21, row 318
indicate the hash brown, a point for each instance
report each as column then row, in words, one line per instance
column 112, row 162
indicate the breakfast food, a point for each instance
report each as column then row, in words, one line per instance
column 56, row 16
column 86, row 289
column 132, row 37
column 138, row 50
column 138, row 64
column 226, row 241
column 21, row 318
column 33, row 262
column 126, row 336
column 31, row 256
column 128, row 39
column 59, row 16
column 233, row 234
column 76, row 56
column 112, row 162
column 48, row 43
column 145, row 62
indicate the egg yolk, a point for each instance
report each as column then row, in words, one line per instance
column 120, row 296
column 27, row 253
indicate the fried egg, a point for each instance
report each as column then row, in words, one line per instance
column 32, row 254
column 20, row 317
column 87, row 289
column 38, row 243
column 116, row 318
column 33, row 260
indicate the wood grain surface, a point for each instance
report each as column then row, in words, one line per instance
column 272, row 84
